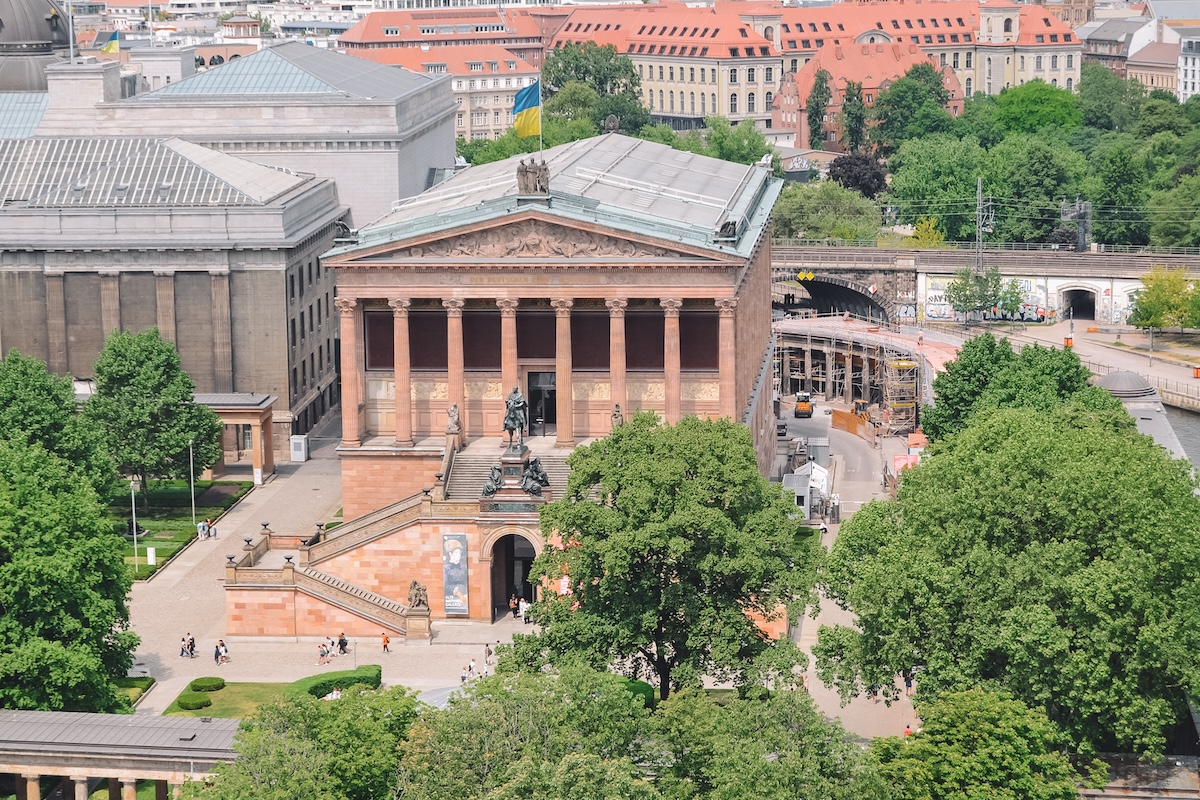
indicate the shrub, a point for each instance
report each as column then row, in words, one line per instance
column 643, row 690
column 369, row 675
column 133, row 688
column 192, row 701
column 207, row 685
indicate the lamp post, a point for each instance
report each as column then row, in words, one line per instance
column 192, row 480
column 133, row 517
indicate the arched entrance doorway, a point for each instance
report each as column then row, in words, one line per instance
column 1079, row 304
column 512, row 557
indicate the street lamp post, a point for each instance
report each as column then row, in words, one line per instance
column 133, row 512
column 192, row 480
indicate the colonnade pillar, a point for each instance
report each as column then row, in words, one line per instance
column 830, row 363
column 28, row 787
column 455, row 376
column 808, row 366
column 402, row 367
column 508, row 343
column 110, row 300
column 348, row 308
column 616, row 351
column 222, row 332
column 728, row 359
column 671, row 367
column 848, row 388
column 80, row 787
column 128, row 789
column 56, row 321
column 164, row 303
column 562, row 367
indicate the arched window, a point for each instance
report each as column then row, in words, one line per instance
column 215, row 60
column 691, row 102
column 650, row 98
column 1037, row 63
column 713, row 98
column 750, row 103
column 733, row 104
column 671, row 100
column 702, row 111
column 1054, row 82
column 968, row 87
column 769, row 101
column 1069, row 84
column 769, row 32
column 1008, row 26
column 200, row 62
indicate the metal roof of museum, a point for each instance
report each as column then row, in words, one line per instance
column 21, row 113
column 612, row 180
column 134, row 172
column 292, row 69
column 142, row 735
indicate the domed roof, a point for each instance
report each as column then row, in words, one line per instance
column 1124, row 384
column 33, row 34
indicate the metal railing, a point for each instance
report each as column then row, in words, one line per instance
column 893, row 244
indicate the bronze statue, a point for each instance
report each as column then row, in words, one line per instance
column 418, row 596
column 494, row 482
column 534, row 478
column 541, row 175
column 618, row 419
column 526, row 177
column 453, row 424
column 516, row 418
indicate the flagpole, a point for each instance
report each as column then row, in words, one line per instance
column 71, row 27
column 541, row 116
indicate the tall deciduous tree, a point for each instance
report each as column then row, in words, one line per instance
column 935, row 177
column 814, row 106
column 1164, row 300
column 825, row 210
column 859, row 172
column 64, row 618
column 37, row 407
column 1107, row 101
column 144, row 406
column 1119, row 197
column 1032, row 174
column 912, row 107
column 671, row 545
column 972, row 291
column 1035, row 105
column 1052, row 555
column 854, row 117
column 599, row 66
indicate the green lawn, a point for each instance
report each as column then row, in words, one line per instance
column 134, row 688
column 169, row 518
column 235, row 701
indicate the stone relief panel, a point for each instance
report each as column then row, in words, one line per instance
column 533, row 238
column 591, row 390
column 381, row 389
column 641, row 391
column 483, row 390
column 429, row 390
column 700, row 390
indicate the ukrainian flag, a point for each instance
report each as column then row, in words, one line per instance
column 527, row 111
column 113, row 45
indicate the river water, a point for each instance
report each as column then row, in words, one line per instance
column 1187, row 428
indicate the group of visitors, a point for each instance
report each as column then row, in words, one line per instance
column 206, row 529
column 519, row 607
column 187, row 646
column 472, row 671
column 221, row 653
column 332, row 648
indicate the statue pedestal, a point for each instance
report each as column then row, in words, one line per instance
column 418, row 631
column 510, row 498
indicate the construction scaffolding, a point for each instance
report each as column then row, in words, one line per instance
column 901, row 395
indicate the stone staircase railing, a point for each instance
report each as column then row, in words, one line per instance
column 362, row 530
column 355, row 599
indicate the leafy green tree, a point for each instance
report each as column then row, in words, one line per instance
column 1173, row 224
column 1158, row 115
column 825, row 210
column 854, row 117
column 1191, row 109
column 1032, row 175
column 1035, row 105
column 814, row 106
column 1049, row 555
column 912, row 107
column 927, row 235
column 743, row 143
column 776, row 747
column 599, row 66
column 346, row 749
column 1107, row 101
column 64, row 618
column 1119, row 198
column 144, row 407
column 555, row 131
column 576, row 100
column 37, row 407
column 672, row 542
column 1164, row 299
column 971, row 291
column 978, row 743
column 860, row 173
column 935, row 176
column 979, row 120
column 1010, row 300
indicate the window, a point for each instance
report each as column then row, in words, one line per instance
column 733, row 108
column 1021, row 62
column 660, row 72
column 692, row 74
column 733, row 75
column 703, row 72
column 1070, row 62
column 955, row 61
column 291, row 287
column 795, row 64
column 735, row 52
column 671, row 100
column 713, row 100
column 867, row 98
column 1040, row 39
column 1069, row 84
column 769, row 101
column 1008, row 26
column 1054, row 37
column 969, row 60
column 650, row 99
column 1053, row 62
column 920, row 23
column 691, row 102
column 941, row 38
column 941, row 59
column 661, row 105
column 310, row 319
column 1037, row 63
column 640, row 76
column 303, row 332
column 1054, row 82
column 750, row 103
column 967, row 88
column 496, row 118
column 293, row 337
column 769, row 74
column 750, row 74
column 702, row 104
column 671, row 73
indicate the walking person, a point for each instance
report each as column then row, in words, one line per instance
column 183, row 647
column 386, row 642
column 343, row 643
column 217, row 655
column 472, row 670
column 191, row 646
column 224, row 651
column 212, row 530
column 512, row 605
column 202, row 529
column 207, row 528
column 487, row 654
column 464, row 676
column 322, row 655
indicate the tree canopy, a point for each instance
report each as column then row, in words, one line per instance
column 144, row 406
column 912, row 107
column 669, row 544
column 814, row 107
column 825, row 210
column 64, row 618
column 599, row 66
column 860, row 173
column 1035, row 105
column 1052, row 555
column 1165, row 300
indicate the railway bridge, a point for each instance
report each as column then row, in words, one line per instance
column 908, row 285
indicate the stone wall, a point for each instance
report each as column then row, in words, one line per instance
column 374, row 478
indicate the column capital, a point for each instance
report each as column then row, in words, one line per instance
column 616, row 306
column 109, row 272
column 454, row 306
column 726, row 305
column 562, row 307
column 671, row 306
column 399, row 305
column 508, row 306
column 164, row 273
column 346, row 305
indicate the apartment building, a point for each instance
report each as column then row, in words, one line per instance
column 1155, row 66
column 485, row 79
column 1187, row 69
column 1113, row 42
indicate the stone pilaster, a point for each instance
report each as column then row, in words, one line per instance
column 508, row 343
column 728, row 358
column 616, row 351
column 455, row 369
column 351, row 378
column 110, row 300
column 562, row 368
column 56, row 322
column 164, row 303
column 222, row 332
column 671, row 369
column 402, row 366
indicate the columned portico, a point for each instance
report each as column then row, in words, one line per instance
column 348, row 309
column 508, row 342
column 728, row 348
column 455, row 377
column 616, row 350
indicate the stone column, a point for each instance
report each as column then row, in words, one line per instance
column 164, row 303
column 128, row 788
column 728, row 358
column 808, row 365
column 616, row 351
column 81, row 787
column 176, row 789
column 351, row 377
column 222, row 332
column 455, row 371
column 509, row 375
column 671, row 370
column 110, row 300
column 866, row 379
column 28, row 786
column 257, row 462
column 562, row 373
column 268, row 438
column 402, row 366
column 56, row 322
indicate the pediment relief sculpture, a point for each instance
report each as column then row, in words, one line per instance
column 534, row 239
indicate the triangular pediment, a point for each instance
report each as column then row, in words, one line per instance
column 528, row 238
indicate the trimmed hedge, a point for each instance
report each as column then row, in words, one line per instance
column 643, row 690
column 369, row 675
column 207, row 685
column 134, row 688
column 192, row 701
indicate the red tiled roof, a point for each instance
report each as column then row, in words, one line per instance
column 448, row 24
column 455, row 59
column 842, row 22
column 873, row 65
column 669, row 29
column 1037, row 21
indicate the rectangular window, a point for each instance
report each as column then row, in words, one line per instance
column 955, row 61
column 750, row 74
column 302, row 328
column 969, row 59
column 1070, row 62
column 660, row 72
column 733, row 76
column 770, row 74
column 692, row 74
column 310, row 319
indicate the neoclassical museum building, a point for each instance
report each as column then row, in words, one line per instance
column 614, row 272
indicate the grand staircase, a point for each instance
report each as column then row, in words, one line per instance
column 387, row 613
column 469, row 472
